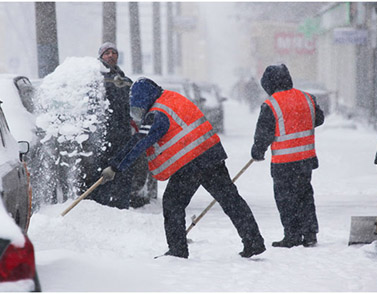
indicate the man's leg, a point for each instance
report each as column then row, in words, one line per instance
column 178, row 193
column 285, row 190
column 307, row 212
column 217, row 182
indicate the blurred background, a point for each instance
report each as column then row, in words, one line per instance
column 329, row 47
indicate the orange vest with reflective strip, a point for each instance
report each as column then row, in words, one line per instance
column 190, row 134
column 294, row 113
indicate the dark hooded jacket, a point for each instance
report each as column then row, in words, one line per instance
column 276, row 78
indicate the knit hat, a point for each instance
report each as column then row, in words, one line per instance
column 106, row 46
column 144, row 92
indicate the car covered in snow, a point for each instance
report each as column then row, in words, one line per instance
column 206, row 96
column 322, row 94
column 210, row 101
column 14, row 177
column 17, row 264
column 17, row 129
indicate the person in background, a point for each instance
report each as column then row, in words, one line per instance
column 118, row 133
column 252, row 93
column 181, row 146
column 286, row 123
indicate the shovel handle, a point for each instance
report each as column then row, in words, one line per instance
column 197, row 219
column 87, row 192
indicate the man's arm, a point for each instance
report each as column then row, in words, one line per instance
column 154, row 126
column 264, row 132
column 319, row 115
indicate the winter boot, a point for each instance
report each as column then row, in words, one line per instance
column 310, row 240
column 288, row 242
column 252, row 248
column 177, row 254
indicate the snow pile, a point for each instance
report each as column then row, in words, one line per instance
column 67, row 96
column 71, row 111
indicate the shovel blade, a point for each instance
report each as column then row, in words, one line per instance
column 363, row 230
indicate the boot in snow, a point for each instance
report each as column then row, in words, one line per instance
column 288, row 242
column 183, row 254
column 310, row 240
column 250, row 249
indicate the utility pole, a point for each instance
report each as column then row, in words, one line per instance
column 157, row 52
column 47, row 38
column 170, row 45
column 137, row 62
column 109, row 22
column 178, row 51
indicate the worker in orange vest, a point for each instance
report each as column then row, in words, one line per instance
column 286, row 123
column 182, row 146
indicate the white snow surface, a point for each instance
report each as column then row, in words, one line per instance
column 98, row 248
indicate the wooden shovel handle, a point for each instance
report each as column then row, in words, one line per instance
column 87, row 192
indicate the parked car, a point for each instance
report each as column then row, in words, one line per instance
column 210, row 101
column 18, row 272
column 14, row 177
column 17, row 264
column 322, row 95
column 205, row 95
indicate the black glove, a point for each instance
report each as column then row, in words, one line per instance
column 375, row 160
column 108, row 175
column 256, row 154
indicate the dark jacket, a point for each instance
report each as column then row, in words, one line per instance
column 115, row 134
column 118, row 124
column 276, row 78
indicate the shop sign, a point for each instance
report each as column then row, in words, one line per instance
column 294, row 43
column 350, row 36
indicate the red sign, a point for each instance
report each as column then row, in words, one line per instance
column 294, row 43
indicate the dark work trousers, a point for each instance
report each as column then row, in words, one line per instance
column 215, row 179
column 295, row 202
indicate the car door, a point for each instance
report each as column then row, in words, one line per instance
column 14, row 177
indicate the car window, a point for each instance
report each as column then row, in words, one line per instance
column 3, row 128
column 9, row 229
column 8, row 143
column 210, row 95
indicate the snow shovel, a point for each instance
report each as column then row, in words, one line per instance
column 363, row 230
column 87, row 192
column 195, row 220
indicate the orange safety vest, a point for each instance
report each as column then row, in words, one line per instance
column 294, row 113
column 190, row 134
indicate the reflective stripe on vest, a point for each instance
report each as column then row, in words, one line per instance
column 293, row 146
column 191, row 140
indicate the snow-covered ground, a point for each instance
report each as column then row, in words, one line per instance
column 98, row 248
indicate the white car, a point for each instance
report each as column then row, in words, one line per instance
column 17, row 264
